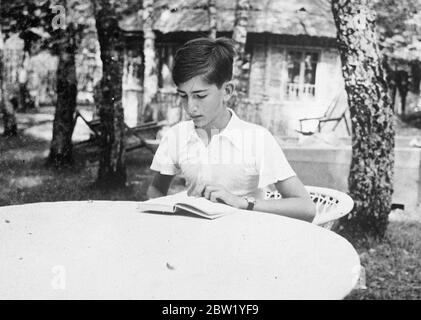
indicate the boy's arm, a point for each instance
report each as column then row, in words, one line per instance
column 159, row 186
column 295, row 202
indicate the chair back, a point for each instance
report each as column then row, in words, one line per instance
column 332, row 106
column 330, row 204
column 336, row 112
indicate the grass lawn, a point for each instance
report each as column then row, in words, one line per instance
column 25, row 179
column 393, row 267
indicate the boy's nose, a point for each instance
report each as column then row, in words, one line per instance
column 191, row 107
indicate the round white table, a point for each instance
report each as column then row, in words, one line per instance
column 109, row 250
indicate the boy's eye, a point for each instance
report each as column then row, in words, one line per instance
column 183, row 96
column 201, row 96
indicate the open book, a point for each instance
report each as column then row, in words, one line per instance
column 180, row 202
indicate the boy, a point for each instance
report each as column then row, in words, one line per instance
column 223, row 158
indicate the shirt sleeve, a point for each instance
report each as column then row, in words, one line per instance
column 165, row 157
column 272, row 164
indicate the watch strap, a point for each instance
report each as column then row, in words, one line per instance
column 251, row 202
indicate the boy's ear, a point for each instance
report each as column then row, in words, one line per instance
column 228, row 90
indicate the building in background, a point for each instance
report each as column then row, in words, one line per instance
column 294, row 69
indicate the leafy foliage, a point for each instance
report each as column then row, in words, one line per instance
column 35, row 20
column 20, row 15
column 399, row 27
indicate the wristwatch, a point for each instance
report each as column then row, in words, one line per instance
column 251, row 202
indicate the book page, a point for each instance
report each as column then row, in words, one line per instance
column 163, row 204
column 200, row 206
column 198, row 212
column 206, row 206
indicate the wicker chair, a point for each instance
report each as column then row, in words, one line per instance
column 330, row 204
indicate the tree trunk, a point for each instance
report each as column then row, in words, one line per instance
column 61, row 144
column 150, row 79
column 1, row 65
column 371, row 174
column 240, row 71
column 112, row 168
column 7, row 109
column 212, row 18
column 25, row 101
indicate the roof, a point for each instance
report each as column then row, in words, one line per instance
column 288, row 17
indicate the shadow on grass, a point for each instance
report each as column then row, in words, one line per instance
column 22, row 141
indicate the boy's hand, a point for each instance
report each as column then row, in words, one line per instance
column 196, row 189
column 218, row 193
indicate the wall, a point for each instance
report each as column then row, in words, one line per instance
column 329, row 167
column 268, row 77
column 267, row 104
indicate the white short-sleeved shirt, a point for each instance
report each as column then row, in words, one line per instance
column 244, row 157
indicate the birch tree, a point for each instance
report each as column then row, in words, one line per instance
column 150, row 79
column 58, row 25
column 69, row 23
column 21, row 17
column 212, row 18
column 240, row 74
column 112, row 168
column 7, row 110
column 1, row 64
column 16, row 17
column 371, row 173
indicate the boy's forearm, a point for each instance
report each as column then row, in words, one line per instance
column 154, row 192
column 159, row 186
column 297, row 208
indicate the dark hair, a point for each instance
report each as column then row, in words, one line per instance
column 213, row 59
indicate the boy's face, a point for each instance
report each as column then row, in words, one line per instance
column 204, row 102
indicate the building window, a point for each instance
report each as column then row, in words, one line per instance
column 301, row 66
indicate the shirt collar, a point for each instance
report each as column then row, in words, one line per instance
column 232, row 131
